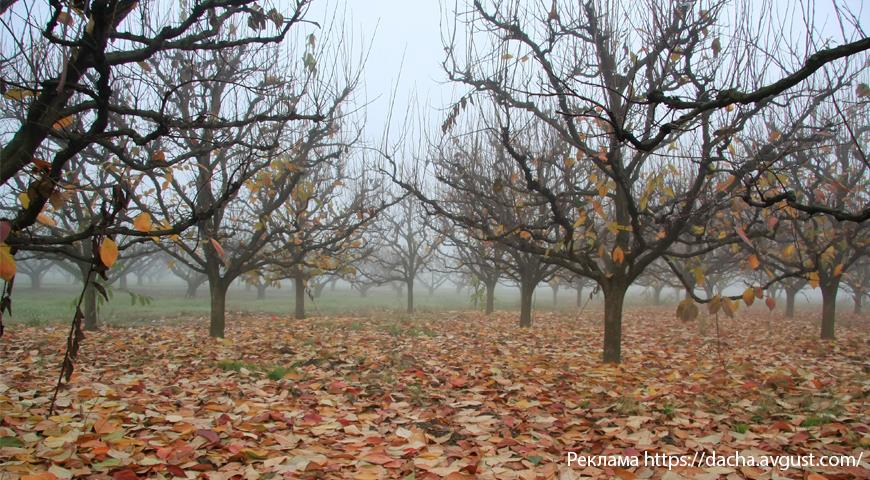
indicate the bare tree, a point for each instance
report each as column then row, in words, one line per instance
column 406, row 243
column 619, row 83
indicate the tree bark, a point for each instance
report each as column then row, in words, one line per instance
column 555, row 289
column 614, row 298
column 490, row 297
column 217, row 324
column 261, row 292
column 579, row 296
column 90, row 307
column 858, row 298
column 527, row 292
column 790, row 295
column 829, row 307
column 299, row 284
column 410, row 284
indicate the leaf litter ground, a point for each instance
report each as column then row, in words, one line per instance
column 449, row 395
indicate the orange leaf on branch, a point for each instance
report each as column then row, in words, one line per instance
column 7, row 263
column 63, row 123
column 618, row 255
column 143, row 222
column 108, row 252
column 753, row 261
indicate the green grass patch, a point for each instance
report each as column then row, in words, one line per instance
column 165, row 301
column 231, row 365
column 278, row 373
column 741, row 428
column 816, row 420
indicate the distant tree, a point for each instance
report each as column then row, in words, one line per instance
column 261, row 280
column 857, row 280
column 36, row 267
column 325, row 218
column 406, row 244
column 434, row 276
column 193, row 278
column 476, row 263
column 825, row 181
column 268, row 163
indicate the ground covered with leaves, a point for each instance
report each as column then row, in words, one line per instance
column 447, row 395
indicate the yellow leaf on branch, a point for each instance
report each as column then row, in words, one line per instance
column 7, row 263
column 749, row 296
column 46, row 220
column 108, row 252
column 143, row 222
column 18, row 93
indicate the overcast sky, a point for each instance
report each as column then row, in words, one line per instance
column 412, row 28
column 394, row 28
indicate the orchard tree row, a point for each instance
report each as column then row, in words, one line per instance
column 598, row 143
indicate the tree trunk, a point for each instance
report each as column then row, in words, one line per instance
column 527, row 292
column 90, row 307
column 192, row 287
column 36, row 280
column 332, row 284
column 122, row 282
column 614, row 297
column 490, row 297
column 364, row 291
column 410, row 284
column 829, row 307
column 299, row 284
column 579, row 296
column 790, row 295
column 555, row 289
column 218, row 292
column 140, row 280
column 261, row 291
column 858, row 297
column 431, row 291
column 657, row 294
